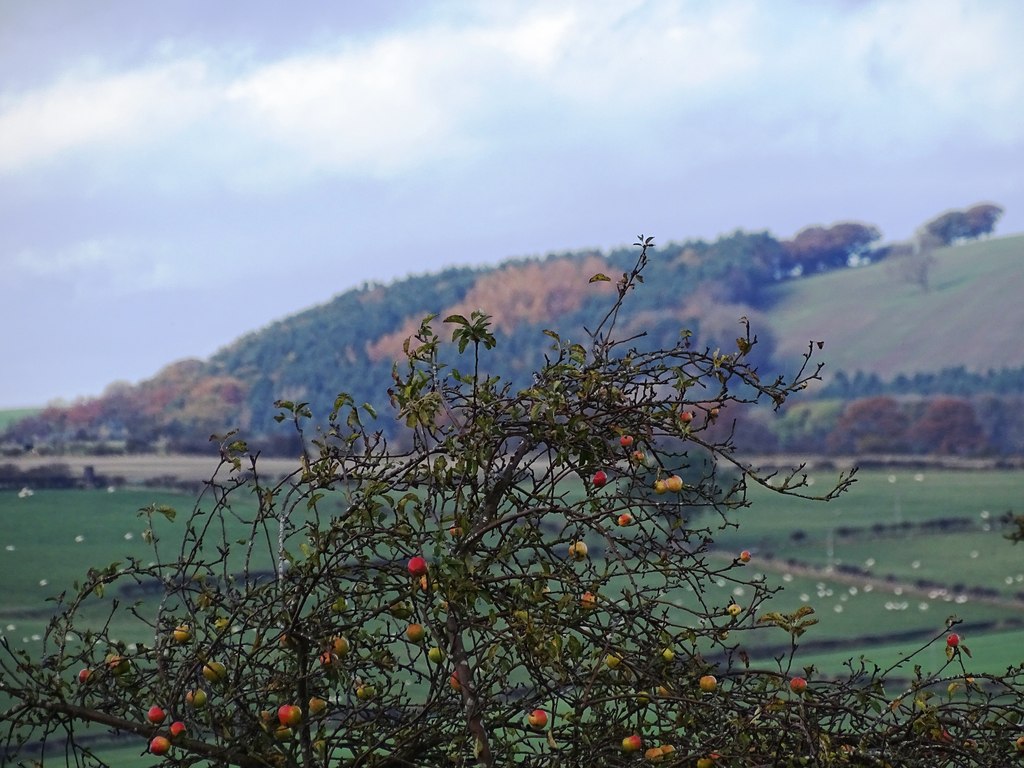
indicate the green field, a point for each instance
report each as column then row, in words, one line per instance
column 870, row 320
column 10, row 415
column 909, row 579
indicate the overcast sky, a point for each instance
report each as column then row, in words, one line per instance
column 175, row 174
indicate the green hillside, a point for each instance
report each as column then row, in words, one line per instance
column 871, row 320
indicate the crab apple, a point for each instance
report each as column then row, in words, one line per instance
column 328, row 659
column 415, row 633
column 214, row 671
column 340, row 645
column 686, row 417
column 118, row 665
column 638, row 457
column 283, row 733
column 160, row 745
column 289, row 715
column 668, row 655
column 624, row 519
column 578, row 550
column 196, row 699
column 435, row 655
column 612, row 660
column 588, row 601
column 156, row 715
column 1019, row 744
column 705, row 762
column 654, row 754
column 674, row 483
column 537, row 719
column 626, row 441
column 713, row 413
column 953, row 640
column 365, row 692
column 632, row 743
column 177, row 728
column 316, row 705
column 734, row 610
column 456, row 531
column 660, row 487
column 84, row 675
column 182, row 633
column 745, row 556
column 417, row 566
column 708, row 683
column 797, row 685
column 600, row 478
column 454, row 682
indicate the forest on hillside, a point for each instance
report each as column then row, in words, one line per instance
column 698, row 288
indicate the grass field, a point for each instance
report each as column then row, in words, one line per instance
column 881, row 611
column 870, row 320
column 10, row 415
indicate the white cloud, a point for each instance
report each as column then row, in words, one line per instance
column 112, row 266
column 85, row 111
column 775, row 77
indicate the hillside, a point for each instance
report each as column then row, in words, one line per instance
column 872, row 321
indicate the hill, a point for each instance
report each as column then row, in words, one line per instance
column 870, row 318
column 873, row 321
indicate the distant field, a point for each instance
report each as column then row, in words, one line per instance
column 870, row 320
column 51, row 537
column 11, row 415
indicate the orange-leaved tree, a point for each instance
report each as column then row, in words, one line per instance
column 522, row 580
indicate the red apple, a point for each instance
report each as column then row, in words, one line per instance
column 624, row 519
column 632, row 743
column 417, row 566
column 177, row 728
column 289, row 715
column 156, row 715
column 745, row 556
column 600, row 478
column 537, row 719
column 626, row 441
column 797, row 685
column 160, row 745
column 953, row 640
column 84, row 675
column 588, row 601
column 686, row 417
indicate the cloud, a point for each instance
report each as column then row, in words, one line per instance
column 87, row 111
column 102, row 267
column 692, row 79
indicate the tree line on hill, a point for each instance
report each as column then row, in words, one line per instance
column 698, row 285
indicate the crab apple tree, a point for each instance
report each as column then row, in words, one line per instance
column 559, row 634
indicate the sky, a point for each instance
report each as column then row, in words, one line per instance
column 174, row 175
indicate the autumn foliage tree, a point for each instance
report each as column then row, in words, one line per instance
column 526, row 583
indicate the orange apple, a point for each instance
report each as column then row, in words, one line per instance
column 160, row 745
column 537, row 719
column 708, row 683
column 415, row 633
column 182, row 633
